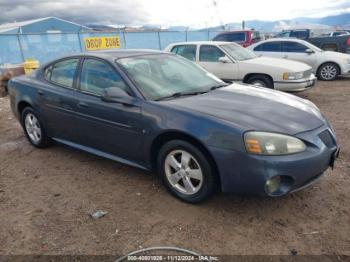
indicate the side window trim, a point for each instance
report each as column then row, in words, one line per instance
column 74, row 86
column 130, row 91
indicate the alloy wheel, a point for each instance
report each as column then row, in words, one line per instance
column 183, row 172
column 33, row 128
column 328, row 72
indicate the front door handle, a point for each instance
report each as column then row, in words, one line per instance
column 285, row 56
column 40, row 92
column 82, row 104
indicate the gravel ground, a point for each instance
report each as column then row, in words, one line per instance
column 46, row 197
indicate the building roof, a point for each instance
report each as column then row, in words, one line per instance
column 17, row 25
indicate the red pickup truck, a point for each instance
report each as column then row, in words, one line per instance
column 243, row 37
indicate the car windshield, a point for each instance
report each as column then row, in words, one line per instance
column 238, row 53
column 163, row 76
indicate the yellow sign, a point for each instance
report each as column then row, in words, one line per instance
column 103, row 42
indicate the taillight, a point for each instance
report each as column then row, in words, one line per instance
column 348, row 41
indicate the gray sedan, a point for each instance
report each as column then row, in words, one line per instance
column 160, row 112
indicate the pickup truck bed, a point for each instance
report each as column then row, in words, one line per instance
column 332, row 43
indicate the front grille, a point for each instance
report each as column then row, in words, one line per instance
column 307, row 73
column 327, row 138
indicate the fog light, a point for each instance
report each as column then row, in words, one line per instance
column 273, row 184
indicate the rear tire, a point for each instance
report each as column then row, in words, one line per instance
column 34, row 129
column 185, row 171
column 260, row 80
column 328, row 72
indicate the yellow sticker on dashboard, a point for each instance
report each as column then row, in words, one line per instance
column 103, row 42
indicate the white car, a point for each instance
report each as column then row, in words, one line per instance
column 339, row 33
column 327, row 65
column 233, row 63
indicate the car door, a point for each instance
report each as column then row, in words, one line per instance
column 270, row 49
column 297, row 51
column 208, row 58
column 112, row 128
column 58, row 99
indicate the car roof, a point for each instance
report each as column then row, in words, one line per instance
column 293, row 39
column 122, row 53
column 110, row 55
column 202, row 43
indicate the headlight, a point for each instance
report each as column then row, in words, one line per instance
column 264, row 143
column 293, row 75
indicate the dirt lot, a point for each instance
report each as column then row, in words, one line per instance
column 46, row 197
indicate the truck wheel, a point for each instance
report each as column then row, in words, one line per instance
column 260, row 80
column 328, row 72
column 34, row 129
column 185, row 171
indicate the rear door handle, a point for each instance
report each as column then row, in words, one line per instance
column 40, row 92
column 285, row 56
column 82, row 104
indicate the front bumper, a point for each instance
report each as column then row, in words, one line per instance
column 296, row 85
column 243, row 173
column 345, row 69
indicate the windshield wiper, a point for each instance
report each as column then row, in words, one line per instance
column 180, row 94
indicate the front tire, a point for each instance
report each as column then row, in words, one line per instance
column 34, row 129
column 328, row 72
column 261, row 81
column 185, row 171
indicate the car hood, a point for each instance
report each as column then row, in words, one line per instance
column 254, row 108
column 281, row 64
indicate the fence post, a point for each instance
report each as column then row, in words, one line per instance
column 80, row 44
column 20, row 47
column 160, row 47
column 124, row 39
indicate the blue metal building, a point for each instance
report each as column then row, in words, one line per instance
column 42, row 25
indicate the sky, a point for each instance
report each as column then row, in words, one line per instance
column 191, row 13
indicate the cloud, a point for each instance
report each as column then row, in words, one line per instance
column 80, row 11
column 193, row 13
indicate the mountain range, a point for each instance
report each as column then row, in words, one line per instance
column 341, row 21
column 328, row 22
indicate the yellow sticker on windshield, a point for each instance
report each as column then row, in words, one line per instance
column 103, row 42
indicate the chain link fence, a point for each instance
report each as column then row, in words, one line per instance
column 16, row 48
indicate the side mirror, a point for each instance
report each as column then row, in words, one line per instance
column 114, row 95
column 309, row 51
column 224, row 60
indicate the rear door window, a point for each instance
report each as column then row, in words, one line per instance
column 186, row 51
column 62, row 73
column 269, row 47
column 209, row 53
